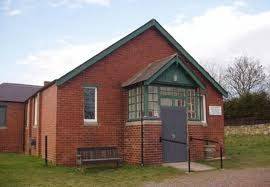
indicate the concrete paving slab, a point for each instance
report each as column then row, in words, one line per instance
column 193, row 165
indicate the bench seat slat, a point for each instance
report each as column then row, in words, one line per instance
column 97, row 154
column 101, row 159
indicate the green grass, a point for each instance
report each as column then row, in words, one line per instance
column 245, row 151
column 20, row 170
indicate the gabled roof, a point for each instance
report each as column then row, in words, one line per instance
column 155, row 69
column 152, row 23
column 148, row 71
column 12, row 92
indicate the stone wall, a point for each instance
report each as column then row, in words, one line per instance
column 248, row 129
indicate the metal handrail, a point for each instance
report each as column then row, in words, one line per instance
column 188, row 144
column 184, row 143
column 213, row 141
column 174, row 141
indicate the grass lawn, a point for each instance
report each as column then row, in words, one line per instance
column 20, row 170
column 245, row 151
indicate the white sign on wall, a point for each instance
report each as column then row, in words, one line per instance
column 215, row 110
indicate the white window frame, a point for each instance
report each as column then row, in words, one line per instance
column 36, row 111
column 204, row 109
column 91, row 120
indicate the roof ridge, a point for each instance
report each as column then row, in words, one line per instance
column 137, row 74
column 165, row 58
column 152, row 23
column 20, row 84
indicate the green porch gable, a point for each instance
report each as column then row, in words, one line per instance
column 175, row 75
column 174, row 72
column 170, row 70
column 151, row 24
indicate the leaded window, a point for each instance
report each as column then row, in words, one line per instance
column 135, row 103
column 184, row 97
column 90, row 104
column 166, row 96
column 153, row 102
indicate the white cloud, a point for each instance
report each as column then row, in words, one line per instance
column 53, row 63
column 78, row 3
column 240, row 3
column 13, row 12
column 224, row 32
column 217, row 36
column 8, row 10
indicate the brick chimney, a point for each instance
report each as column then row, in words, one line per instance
column 46, row 83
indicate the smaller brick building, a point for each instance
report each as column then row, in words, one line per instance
column 114, row 99
column 12, row 99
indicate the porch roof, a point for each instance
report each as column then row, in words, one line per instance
column 156, row 68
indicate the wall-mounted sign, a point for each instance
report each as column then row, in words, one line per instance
column 215, row 110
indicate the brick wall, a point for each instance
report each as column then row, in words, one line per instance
column 46, row 125
column 132, row 144
column 47, row 119
column 196, row 147
column 108, row 75
column 30, row 130
column 27, row 129
column 11, row 137
column 61, row 116
column 152, row 146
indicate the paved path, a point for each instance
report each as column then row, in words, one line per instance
column 253, row 177
column 193, row 165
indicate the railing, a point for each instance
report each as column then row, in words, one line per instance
column 46, row 150
column 188, row 146
column 179, row 142
column 212, row 141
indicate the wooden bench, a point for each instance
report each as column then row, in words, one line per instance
column 89, row 155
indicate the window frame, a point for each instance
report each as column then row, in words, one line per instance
column 155, row 101
column 36, row 110
column 90, row 120
column 200, row 111
column 5, row 121
column 28, row 114
column 135, row 93
column 204, row 108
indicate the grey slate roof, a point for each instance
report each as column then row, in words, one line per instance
column 148, row 71
column 17, row 92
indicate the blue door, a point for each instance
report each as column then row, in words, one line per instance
column 174, row 127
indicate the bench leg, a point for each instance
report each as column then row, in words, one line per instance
column 82, row 168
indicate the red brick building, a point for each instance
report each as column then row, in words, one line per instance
column 100, row 102
column 12, row 99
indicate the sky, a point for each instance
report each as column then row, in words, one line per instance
column 42, row 40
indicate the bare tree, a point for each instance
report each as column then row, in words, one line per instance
column 217, row 71
column 245, row 75
column 268, row 81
